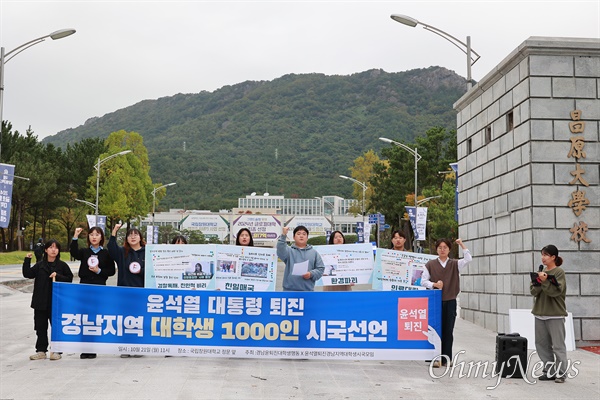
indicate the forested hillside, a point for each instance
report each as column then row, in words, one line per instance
column 293, row 135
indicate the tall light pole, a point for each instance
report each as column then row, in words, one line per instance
column 323, row 201
column 6, row 57
column 154, row 198
column 364, row 188
column 417, row 158
column 464, row 47
column 100, row 162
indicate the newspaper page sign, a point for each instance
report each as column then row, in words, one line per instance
column 399, row 270
column 6, row 188
column 101, row 223
column 176, row 266
column 346, row 264
column 243, row 268
column 366, row 325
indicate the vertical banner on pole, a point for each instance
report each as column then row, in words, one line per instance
column 421, row 222
column 6, row 187
column 412, row 217
column 360, row 232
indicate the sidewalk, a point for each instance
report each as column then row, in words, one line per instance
column 110, row 377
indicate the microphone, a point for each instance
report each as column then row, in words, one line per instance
column 541, row 268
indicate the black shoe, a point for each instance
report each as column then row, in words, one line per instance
column 83, row 355
column 545, row 377
column 91, row 355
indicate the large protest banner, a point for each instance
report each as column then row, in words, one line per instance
column 311, row 325
column 399, row 270
column 346, row 264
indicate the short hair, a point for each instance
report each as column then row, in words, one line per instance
column 443, row 240
column 100, row 231
column 400, row 233
column 300, row 228
column 237, row 238
column 333, row 235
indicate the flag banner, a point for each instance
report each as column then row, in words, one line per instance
column 368, row 325
column 399, row 270
column 346, row 264
column 6, row 188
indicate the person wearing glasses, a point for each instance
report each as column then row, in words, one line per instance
column 443, row 273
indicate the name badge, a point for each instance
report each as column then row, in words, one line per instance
column 135, row 267
column 93, row 261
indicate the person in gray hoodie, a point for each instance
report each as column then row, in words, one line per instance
column 303, row 265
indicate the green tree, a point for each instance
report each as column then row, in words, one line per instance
column 125, row 184
column 362, row 171
column 440, row 213
column 394, row 181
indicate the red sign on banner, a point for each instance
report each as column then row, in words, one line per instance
column 412, row 318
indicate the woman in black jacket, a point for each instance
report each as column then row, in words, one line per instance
column 96, row 263
column 50, row 268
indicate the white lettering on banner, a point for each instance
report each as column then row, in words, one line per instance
column 337, row 330
column 234, row 305
column 72, row 325
column 191, row 304
column 290, row 306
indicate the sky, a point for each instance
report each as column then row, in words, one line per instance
column 125, row 52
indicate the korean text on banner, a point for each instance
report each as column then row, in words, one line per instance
column 314, row 325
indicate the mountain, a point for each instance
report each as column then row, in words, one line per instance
column 292, row 136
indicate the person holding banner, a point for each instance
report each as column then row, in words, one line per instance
column 96, row 264
column 337, row 237
column 398, row 240
column 244, row 238
column 44, row 272
column 303, row 265
column 444, row 273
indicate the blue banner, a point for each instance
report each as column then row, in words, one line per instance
column 315, row 325
column 6, row 187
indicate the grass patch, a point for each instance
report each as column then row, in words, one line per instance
column 13, row 257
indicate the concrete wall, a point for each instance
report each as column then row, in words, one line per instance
column 514, row 180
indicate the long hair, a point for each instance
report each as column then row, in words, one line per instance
column 100, row 231
column 551, row 250
column 126, row 245
column 237, row 238
column 48, row 244
column 179, row 238
column 333, row 235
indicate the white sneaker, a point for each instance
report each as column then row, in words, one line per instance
column 38, row 356
column 55, row 356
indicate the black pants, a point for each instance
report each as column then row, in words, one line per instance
column 41, row 320
column 448, row 320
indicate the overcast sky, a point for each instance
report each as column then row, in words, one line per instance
column 128, row 51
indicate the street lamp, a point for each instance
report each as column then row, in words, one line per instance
column 364, row 188
column 417, row 158
column 154, row 197
column 464, row 47
column 87, row 202
column 427, row 199
column 323, row 201
column 97, row 166
column 6, row 57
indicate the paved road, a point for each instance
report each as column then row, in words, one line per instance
column 110, row 377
